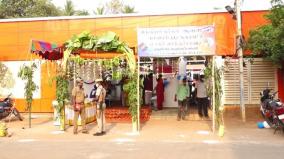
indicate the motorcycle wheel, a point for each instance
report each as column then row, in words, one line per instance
column 17, row 114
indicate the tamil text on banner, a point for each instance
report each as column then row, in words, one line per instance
column 176, row 41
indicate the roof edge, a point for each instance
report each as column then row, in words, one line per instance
column 110, row 16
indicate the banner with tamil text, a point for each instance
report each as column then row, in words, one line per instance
column 176, row 41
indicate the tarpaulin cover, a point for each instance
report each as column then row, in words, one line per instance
column 48, row 51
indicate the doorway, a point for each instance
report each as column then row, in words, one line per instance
column 172, row 71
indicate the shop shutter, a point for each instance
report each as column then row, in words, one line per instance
column 232, row 83
column 257, row 75
column 263, row 75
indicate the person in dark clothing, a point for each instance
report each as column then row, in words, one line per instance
column 93, row 92
column 123, row 94
column 160, row 92
column 148, row 87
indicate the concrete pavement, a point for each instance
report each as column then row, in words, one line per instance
column 159, row 138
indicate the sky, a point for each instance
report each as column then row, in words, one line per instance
column 171, row 6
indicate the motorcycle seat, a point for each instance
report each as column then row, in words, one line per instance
column 279, row 110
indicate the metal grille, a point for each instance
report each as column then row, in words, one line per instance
column 257, row 76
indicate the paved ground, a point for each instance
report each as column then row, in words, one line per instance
column 159, row 138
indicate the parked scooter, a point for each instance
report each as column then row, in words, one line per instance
column 7, row 108
column 272, row 110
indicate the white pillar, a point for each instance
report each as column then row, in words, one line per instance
column 240, row 54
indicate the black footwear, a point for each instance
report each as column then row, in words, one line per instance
column 98, row 134
column 85, row 132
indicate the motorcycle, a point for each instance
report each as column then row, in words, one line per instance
column 272, row 110
column 7, row 108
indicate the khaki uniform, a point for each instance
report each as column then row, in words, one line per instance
column 101, row 94
column 79, row 108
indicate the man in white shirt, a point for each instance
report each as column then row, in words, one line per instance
column 202, row 97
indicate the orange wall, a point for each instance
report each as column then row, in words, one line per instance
column 15, row 37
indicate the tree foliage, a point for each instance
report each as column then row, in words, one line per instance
column 114, row 7
column 82, row 12
column 27, row 8
column 27, row 73
column 268, row 40
column 69, row 9
column 100, row 11
column 109, row 42
column 36, row 8
column 62, row 93
column 128, row 9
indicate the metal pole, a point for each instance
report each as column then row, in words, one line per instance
column 240, row 53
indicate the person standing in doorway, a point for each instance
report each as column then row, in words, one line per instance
column 78, row 98
column 160, row 92
column 100, row 110
column 93, row 93
column 148, row 87
column 182, row 96
column 123, row 94
column 190, row 82
column 202, row 98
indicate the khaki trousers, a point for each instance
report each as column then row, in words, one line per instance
column 81, row 112
column 101, row 120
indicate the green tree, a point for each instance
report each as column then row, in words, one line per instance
column 69, row 9
column 268, row 40
column 82, row 12
column 27, row 73
column 100, row 11
column 128, row 9
column 114, row 7
column 27, row 8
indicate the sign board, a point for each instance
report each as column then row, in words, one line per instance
column 176, row 41
column 11, row 83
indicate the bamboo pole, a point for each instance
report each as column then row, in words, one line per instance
column 213, row 96
column 138, row 94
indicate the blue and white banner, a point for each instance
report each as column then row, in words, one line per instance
column 176, row 41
